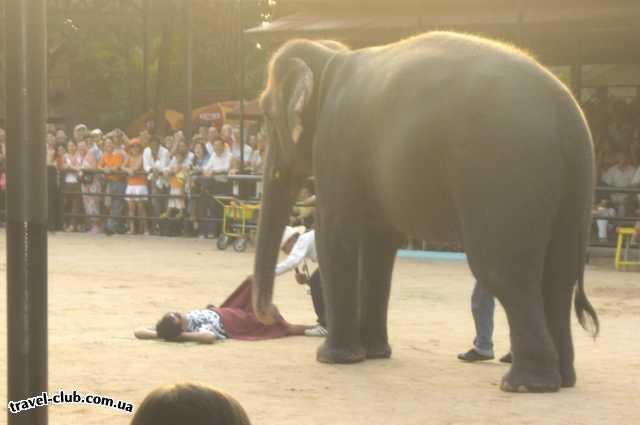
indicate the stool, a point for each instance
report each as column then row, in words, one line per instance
column 625, row 235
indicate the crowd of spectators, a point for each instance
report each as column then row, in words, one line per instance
column 106, row 182
column 615, row 126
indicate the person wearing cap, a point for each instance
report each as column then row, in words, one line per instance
column 301, row 246
column 80, row 133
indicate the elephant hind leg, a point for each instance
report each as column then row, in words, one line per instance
column 377, row 255
column 535, row 359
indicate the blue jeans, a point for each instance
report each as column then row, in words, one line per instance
column 482, row 308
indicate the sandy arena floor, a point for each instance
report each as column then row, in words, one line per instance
column 102, row 288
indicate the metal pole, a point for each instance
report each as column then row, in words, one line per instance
column 520, row 21
column 26, row 83
column 241, row 53
column 576, row 81
column 188, row 70
column 145, row 56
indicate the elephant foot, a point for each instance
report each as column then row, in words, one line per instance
column 521, row 381
column 326, row 354
column 382, row 351
column 568, row 377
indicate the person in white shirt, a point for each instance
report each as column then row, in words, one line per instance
column 212, row 136
column 620, row 175
column 301, row 246
column 155, row 160
column 603, row 211
column 214, row 182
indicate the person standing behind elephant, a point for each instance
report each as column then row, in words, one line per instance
column 619, row 175
column 299, row 247
column 111, row 164
column 482, row 307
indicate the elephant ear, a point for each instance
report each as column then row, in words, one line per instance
column 301, row 86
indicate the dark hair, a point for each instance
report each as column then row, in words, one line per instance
column 167, row 328
column 190, row 404
column 155, row 139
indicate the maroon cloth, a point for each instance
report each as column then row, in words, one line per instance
column 240, row 322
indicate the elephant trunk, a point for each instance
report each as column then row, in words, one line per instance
column 274, row 213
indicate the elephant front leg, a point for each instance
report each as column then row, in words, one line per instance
column 377, row 255
column 338, row 256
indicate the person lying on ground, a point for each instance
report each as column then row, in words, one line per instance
column 233, row 319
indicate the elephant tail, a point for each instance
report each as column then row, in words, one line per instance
column 583, row 198
column 588, row 321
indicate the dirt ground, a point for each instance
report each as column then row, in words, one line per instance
column 102, row 288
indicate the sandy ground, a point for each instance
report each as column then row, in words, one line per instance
column 101, row 288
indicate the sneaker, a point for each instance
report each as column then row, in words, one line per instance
column 506, row 358
column 317, row 331
column 473, row 356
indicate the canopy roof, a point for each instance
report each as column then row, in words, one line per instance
column 559, row 32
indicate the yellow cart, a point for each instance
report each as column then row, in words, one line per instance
column 623, row 248
column 239, row 222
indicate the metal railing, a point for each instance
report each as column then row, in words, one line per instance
column 238, row 180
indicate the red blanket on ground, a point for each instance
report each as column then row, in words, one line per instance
column 240, row 322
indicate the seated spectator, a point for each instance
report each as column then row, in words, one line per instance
column 602, row 211
column 619, row 175
column 302, row 215
column 116, row 184
column 136, row 186
column 233, row 319
column 91, row 183
column 72, row 189
column 189, row 404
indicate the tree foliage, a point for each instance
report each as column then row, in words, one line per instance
column 96, row 55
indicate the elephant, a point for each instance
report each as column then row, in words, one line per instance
column 438, row 130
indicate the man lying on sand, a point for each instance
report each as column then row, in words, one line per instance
column 233, row 319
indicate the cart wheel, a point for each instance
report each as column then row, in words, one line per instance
column 222, row 242
column 240, row 245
